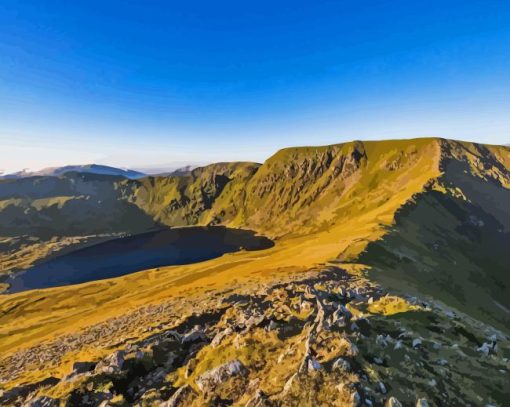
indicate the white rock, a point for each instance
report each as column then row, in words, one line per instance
column 42, row 401
column 289, row 383
column 382, row 387
column 393, row 402
column 193, row 336
column 381, row 341
column 356, row 399
column 218, row 375
column 112, row 363
column 417, row 342
column 179, row 397
column 342, row 365
column 422, row 403
column 485, row 348
column 220, row 336
column 378, row 361
column 313, row 364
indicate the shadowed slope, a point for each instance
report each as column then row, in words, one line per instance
column 70, row 205
column 452, row 243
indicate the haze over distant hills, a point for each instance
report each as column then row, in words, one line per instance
column 102, row 170
column 87, row 168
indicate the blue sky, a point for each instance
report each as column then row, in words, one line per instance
column 149, row 83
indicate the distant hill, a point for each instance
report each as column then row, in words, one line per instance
column 87, row 168
column 178, row 172
column 177, row 168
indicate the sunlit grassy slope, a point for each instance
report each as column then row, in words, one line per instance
column 320, row 204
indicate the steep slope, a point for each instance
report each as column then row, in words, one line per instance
column 452, row 242
column 207, row 195
column 304, row 190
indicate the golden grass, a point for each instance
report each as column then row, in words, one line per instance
column 391, row 305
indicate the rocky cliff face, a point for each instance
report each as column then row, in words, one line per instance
column 208, row 195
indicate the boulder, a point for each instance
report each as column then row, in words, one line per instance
column 393, row 402
column 378, row 361
column 214, row 377
column 272, row 326
column 181, row 397
column 258, row 400
column 381, row 387
column 417, row 343
column 338, row 319
column 83, row 367
column 313, row 364
column 355, row 399
column 42, row 401
column 111, row 364
column 487, row 348
column 341, row 365
column 220, row 336
column 343, row 309
column 381, row 341
column 194, row 336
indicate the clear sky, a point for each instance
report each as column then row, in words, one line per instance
column 142, row 83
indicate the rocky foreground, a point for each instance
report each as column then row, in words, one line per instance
column 325, row 338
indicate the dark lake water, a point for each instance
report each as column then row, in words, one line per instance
column 134, row 253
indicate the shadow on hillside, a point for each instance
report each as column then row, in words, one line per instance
column 453, row 249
